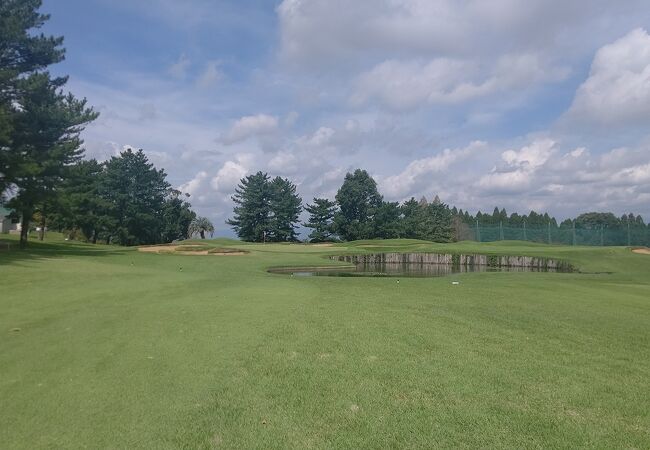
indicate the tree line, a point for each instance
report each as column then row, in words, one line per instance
column 269, row 210
column 43, row 176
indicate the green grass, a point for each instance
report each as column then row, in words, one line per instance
column 103, row 347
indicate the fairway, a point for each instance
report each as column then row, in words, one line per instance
column 108, row 347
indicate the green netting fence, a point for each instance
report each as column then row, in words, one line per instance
column 552, row 234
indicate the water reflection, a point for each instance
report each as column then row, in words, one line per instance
column 403, row 270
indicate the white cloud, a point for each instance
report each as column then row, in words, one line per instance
column 318, row 32
column 228, row 177
column 419, row 175
column 193, row 186
column 520, row 168
column 407, row 84
column 617, row 91
column 249, row 126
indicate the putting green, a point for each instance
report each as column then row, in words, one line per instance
column 104, row 347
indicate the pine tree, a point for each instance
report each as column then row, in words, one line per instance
column 411, row 216
column 387, row 221
column 177, row 216
column 358, row 200
column 321, row 216
column 45, row 136
column 80, row 205
column 22, row 52
column 436, row 223
column 285, row 207
column 252, row 213
column 136, row 192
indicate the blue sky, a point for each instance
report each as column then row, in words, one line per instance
column 539, row 105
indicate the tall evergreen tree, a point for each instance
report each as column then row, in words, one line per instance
column 252, row 212
column 177, row 216
column 436, row 223
column 136, row 192
column 387, row 221
column 321, row 216
column 45, row 135
column 79, row 203
column 411, row 216
column 285, row 207
column 22, row 52
column 358, row 201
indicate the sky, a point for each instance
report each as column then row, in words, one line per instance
column 540, row 105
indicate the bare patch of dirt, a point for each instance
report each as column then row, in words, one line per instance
column 642, row 251
column 323, row 245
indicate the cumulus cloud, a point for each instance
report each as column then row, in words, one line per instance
column 228, row 177
column 316, row 32
column 617, row 91
column 250, row 126
column 520, row 167
column 406, row 84
column 420, row 174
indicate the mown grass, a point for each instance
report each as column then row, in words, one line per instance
column 103, row 347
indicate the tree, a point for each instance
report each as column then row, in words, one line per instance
column 285, row 206
column 22, row 52
column 595, row 220
column 321, row 216
column 387, row 221
column 201, row 225
column 45, row 136
column 252, row 212
column 265, row 209
column 135, row 191
column 411, row 216
column 436, row 223
column 358, row 201
column 177, row 217
column 79, row 203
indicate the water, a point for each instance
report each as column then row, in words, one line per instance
column 404, row 270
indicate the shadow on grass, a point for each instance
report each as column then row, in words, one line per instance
column 11, row 253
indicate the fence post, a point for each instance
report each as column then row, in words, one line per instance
column 602, row 240
column 525, row 236
column 629, row 241
column 478, row 232
column 574, row 232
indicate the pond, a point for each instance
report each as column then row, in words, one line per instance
column 427, row 265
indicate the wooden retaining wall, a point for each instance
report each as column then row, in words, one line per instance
column 456, row 260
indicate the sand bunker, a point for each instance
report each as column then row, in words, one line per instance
column 642, row 251
column 186, row 250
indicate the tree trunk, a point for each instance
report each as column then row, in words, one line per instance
column 41, row 233
column 94, row 240
column 202, row 234
column 24, row 224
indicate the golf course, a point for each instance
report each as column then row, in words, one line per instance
column 111, row 347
